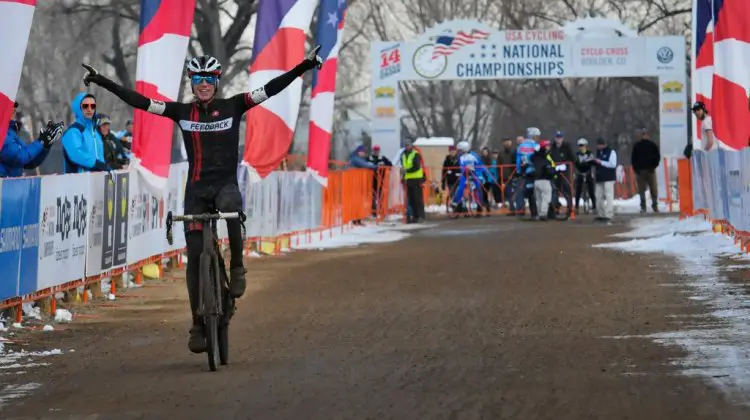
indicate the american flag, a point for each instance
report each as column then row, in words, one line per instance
column 447, row 44
column 330, row 37
column 721, row 31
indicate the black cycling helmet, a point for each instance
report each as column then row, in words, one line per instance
column 699, row 105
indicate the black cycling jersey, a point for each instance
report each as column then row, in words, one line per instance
column 210, row 130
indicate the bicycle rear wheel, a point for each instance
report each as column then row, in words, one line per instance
column 210, row 314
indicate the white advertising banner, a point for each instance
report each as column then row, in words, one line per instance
column 146, row 227
column 673, row 114
column 65, row 206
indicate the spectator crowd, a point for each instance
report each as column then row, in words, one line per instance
column 87, row 144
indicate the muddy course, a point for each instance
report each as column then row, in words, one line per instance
column 467, row 319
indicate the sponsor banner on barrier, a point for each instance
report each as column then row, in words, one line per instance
column 105, row 215
column 19, row 236
column 63, row 235
column 145, row 224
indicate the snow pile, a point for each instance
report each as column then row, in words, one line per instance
column 63, row 315
column 48, row 328
column 716, row 345
column 31, row 311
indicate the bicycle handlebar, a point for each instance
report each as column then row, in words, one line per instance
column 200, row 217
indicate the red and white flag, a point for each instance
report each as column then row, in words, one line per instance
column 162, row 46
column 15, row 26
column 330, row 36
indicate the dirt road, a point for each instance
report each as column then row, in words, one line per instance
column 489, row 319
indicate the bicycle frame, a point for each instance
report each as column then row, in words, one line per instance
column 211, row 304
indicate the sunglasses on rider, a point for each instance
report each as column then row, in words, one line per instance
column 88, row 106
column 198, row 79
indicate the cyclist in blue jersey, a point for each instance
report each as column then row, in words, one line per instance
column 472, row 170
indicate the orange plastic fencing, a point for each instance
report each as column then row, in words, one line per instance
column 348, row 197
column 685, row 187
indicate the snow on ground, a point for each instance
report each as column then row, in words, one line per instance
column 389, row 231
column 716, row 343
column 63, row 315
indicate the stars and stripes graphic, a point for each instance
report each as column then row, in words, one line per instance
column 329, row 36
column 279, row 45
column 162, row 46
column 446, row 44
column 15, row 26
column 721, row 31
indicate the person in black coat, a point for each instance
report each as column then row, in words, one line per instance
column 645, row 159
column 561, row 153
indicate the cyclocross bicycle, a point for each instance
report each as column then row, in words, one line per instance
column 216, row 305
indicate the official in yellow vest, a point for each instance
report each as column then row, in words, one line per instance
column 413, row 174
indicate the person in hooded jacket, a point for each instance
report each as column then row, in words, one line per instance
column 83, row 148
column 16, row 155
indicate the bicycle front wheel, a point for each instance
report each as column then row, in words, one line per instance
column 210, row 312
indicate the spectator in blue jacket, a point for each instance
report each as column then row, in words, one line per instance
column 83, row 148
column 16, row 155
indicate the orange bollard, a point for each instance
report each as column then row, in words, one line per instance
column 53, row 306
column 112, row 286
column 85, row 295
column 138, row 277
column 180, row 264
column 19, row 313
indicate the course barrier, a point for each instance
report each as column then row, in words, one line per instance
column 717, row 183
column 63, row 232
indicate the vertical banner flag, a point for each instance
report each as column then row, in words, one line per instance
column 15, row 25
column 162, row 45
column 721, row 31
column 731, row 79
column 279, row 46
column 330, row 37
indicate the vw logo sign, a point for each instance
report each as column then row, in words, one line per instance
column 665, row 55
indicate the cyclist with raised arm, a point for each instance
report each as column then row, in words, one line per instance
column 210, row 129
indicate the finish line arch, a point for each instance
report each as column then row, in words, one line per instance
column 585, row 48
